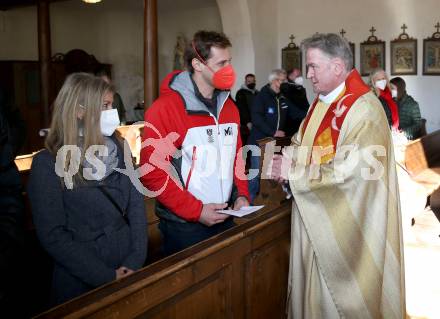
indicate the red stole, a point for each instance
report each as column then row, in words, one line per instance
column 328, row 131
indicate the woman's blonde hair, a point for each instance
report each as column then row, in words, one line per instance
column 81, row 93
column 373, row 74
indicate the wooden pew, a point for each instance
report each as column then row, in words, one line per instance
column 422, row 160
column 241, row 273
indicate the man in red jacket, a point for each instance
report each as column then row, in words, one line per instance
column 205, row 169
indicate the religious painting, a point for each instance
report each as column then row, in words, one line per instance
column 403, row 55
column 291, row 56
column 372, row 57
column 431, row 54
column 372, row 54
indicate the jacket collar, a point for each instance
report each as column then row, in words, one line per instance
column 182, row 84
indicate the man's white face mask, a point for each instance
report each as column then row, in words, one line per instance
column 299, row 81
column 109, row 121
column 394, row 93
column 381, row 84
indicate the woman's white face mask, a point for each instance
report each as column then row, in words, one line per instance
column 299, row 81
column 381, row 84
column 109, row 121
column 394, row 93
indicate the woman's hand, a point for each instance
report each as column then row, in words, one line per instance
column 122, row 272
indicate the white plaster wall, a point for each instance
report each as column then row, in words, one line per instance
column 18, row 34
column 305, row 17
column 264, row 23
column 236, row 21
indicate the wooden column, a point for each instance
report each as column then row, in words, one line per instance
column 44, row 48
column 150, row 52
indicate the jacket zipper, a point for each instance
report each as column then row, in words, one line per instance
column 219, row 144
column 193, row 164
column 278, row 120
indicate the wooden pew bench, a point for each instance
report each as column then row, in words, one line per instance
column 241, row 273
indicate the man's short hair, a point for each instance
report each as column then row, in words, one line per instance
column 332, row 45
column 203, row 41
column 274, row 74
column 249, row 75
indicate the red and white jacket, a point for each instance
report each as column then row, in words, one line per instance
column 210, row 163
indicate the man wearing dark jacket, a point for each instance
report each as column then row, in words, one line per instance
column 270, row 112
column 295, row 92
column 244, row 100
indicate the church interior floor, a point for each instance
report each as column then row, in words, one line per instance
column 422, row 266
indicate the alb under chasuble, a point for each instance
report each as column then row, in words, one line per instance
column 346, row 251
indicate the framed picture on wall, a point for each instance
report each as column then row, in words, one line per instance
column 291, row 56
column 403, row 55
column 372, row 54
column 431, row 54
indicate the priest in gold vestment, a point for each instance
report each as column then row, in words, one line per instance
column 346, row 257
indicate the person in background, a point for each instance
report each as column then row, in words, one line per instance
column 195, row 111
column 381, row 87
column 244, row 100
column 270, row 112
column 296, row 93
column 410, row 121
column 294, row 89
column 92, row 223
column 117, row 99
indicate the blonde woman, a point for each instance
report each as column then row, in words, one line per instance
column 88, row 217
column 380, row 85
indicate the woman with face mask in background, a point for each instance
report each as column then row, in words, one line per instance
column 381, row 87
column 88, row 216
column 409, row 111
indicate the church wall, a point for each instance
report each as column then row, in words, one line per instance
column 189, row 21
column 305, row 17
column 112, row 31
column 18, row 34
column 236, row 21
column 259, row 29
column 264, row 24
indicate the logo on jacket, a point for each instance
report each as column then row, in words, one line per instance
column 210, row 137
column 228, row 131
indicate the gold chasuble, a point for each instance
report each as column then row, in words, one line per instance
column 346, row 256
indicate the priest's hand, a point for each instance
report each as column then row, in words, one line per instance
column 240, row 202
column 210, row 217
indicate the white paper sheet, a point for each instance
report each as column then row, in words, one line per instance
column 245, row 210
